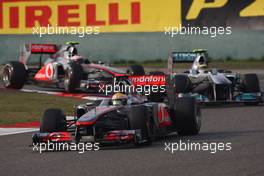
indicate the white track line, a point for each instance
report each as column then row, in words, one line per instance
column 10, row 131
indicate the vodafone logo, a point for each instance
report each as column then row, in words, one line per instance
column 49, row 71
column 45, row 74
column 148, row 80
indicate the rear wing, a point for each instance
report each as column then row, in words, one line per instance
column 27, row 49
column 186, row 57
column 183, row 57
column 42, row 48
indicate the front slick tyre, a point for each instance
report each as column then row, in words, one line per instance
column 53, row 120
column 251, row 85
column 139, row 120
column 187, row 116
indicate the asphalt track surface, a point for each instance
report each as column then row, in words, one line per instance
column 242, row 126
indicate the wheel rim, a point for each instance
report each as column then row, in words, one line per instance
column 7, row 76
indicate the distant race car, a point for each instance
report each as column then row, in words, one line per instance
column 121, row 119
column 61, row 66
column 212, row 85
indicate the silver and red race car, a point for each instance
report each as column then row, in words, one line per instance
column 132, row 120
column 61, row 66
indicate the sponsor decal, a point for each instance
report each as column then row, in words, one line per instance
column 235, row 13
column 49, row 71
column 45, row 73
column 43, row 48
column 19, row 17
column 148, row 80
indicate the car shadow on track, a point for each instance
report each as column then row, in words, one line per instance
column 159, row 143
column 202, row 137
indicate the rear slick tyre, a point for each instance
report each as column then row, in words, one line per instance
column 14, row 75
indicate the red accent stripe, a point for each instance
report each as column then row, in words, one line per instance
column 22, row 125
column 78, row 123
column 60, row 136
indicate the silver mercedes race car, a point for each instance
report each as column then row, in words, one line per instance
column 212, row 85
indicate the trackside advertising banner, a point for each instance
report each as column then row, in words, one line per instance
column 21, row 16
column 240, row 14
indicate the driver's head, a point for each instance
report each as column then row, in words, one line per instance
column 202, row 63
column 72, row 51
column 119, row 99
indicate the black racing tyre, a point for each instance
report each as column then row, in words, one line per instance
column 179, row 83
column 14, row 75
column 156, row 73
column 186, row 116
column 136, row 70
column 176, row 84
column 182, row 84
column 139, row 120
column 53, row 120
column 73, row 77
column 251, row 83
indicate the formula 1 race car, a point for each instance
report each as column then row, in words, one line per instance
column 62, row 67
column 213, row 85
column 46, row 64
column 121, row 119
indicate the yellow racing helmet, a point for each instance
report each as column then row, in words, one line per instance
column 202, row 66
column 202, row 63
column 119, row 99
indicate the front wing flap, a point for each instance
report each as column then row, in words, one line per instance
column 117, row 136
